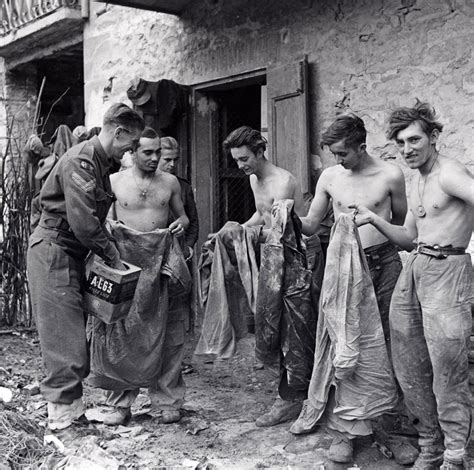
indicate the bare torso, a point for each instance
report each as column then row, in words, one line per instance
column 448, row 220
column 372, row 188
column 144, row 214
column 276, row 185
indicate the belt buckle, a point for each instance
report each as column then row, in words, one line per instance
column 432, row 251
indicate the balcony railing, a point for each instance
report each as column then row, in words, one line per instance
column 17, row 13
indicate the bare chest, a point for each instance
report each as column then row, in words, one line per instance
column 133, row 197
column 363, row 191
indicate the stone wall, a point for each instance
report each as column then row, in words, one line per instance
column 365, row 55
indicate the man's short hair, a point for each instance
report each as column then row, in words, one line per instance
column 149, row 133
column 245, row 135
column 423, row 113
column 347, row 127
column 122, row 115
column 169, row 143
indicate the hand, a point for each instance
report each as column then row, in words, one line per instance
column 361, row 214
column 176, row 228
column 188, row 253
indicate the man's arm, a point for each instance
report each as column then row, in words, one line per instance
column 456, row 181
column 318, row 209
column 80, row 193
column 256, row 219
column 398, row 198
column 181, row 223
column 299, row 206
column 403, row 236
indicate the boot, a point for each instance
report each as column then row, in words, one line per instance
column 430, row 458
column 62, row 415
column 281, row 411
column 452, row 465
column 341, row 449
column 403, row 452
column 306, row 421
column 110, row 415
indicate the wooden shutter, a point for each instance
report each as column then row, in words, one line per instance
column 287, row 88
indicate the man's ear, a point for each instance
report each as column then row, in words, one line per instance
column 362, row 147
column 434, row 136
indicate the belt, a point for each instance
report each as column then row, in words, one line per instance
column 379, row 252
column 439, row 252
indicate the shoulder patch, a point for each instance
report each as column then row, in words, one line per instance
column 82, row 183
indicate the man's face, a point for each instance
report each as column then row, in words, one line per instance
column 415, row 146
column 148, row 154
column 246, row 160
column 346, row 156
column 125, row 139
column 169, row 161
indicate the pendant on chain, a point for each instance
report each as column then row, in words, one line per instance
column 420, row 211
column 143, row 194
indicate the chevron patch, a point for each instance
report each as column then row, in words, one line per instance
column 82, row 183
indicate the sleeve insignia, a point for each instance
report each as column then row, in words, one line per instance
column 82, row 183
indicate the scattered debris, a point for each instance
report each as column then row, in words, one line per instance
column 196, row 426
column 21, row 441
column 53, row 440
column 32, row 389
column 127, row 431
column 6, row 395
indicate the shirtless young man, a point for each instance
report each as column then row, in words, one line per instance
column 269, row 183
column 430, row 313
column 359, row 176
column 145, row 198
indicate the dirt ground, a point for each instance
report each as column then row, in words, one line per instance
column 217, row 430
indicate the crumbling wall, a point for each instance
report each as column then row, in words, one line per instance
column 367, row 56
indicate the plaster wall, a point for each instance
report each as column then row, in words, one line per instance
column 367, row 56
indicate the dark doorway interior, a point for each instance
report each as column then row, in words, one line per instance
column 237, row 107
column 62, row 99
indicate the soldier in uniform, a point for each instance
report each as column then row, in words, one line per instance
column 74, row 200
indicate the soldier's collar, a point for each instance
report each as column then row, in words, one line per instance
column 105, row 159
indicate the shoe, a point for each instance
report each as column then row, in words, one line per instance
column 62, row 415
column 430, row 458
column 451, row 465
column 403, row 452
column 306, row 421
column 281, row 411
column 170, row 416
column 341, row 450
column 110, row 415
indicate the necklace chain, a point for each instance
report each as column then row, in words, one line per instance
column 421, row 211
column 143, row 192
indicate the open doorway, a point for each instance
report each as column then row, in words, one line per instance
column 219, row 108
column 62, row 99
column 237, row 107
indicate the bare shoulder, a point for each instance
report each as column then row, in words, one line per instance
column 167, row 179
column 451, row 166
column 392, row 172
column 120, row 176
column 329, row 174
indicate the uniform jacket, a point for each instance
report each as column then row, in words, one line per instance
column 78, row 192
